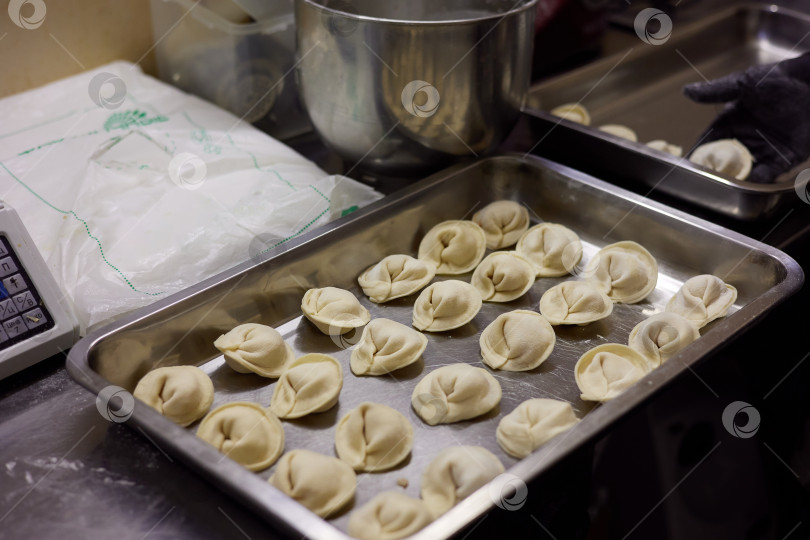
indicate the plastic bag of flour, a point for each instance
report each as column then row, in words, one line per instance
column 133, row 190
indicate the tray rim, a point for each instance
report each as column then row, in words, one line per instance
column 294, row 518
column 709, row 175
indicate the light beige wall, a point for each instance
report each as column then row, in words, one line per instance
column 74, row 35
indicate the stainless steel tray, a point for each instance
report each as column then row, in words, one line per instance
column 643, row 90
column 181, row 329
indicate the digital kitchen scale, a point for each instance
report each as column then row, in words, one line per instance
column 36, row 320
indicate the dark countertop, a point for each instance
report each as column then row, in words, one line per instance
column 66, row 472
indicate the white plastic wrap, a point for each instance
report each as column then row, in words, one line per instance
column 133, row 190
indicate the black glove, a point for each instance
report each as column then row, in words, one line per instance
column 769, row 112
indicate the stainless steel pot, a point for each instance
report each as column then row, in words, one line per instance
column 406, row 86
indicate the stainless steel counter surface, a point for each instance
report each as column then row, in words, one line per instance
column 66, row 472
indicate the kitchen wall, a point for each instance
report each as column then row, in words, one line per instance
column 67, row 37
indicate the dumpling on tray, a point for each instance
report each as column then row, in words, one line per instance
column 532, row 424
column 503, row 276
column 575, row 302
column 519, row 340
column 373, row 437
column 455, row 473
column 324, row 484
column 255, row 348
column 334, row 311
column 446, row 305
column 702, row 299
column 454, row 393
column 726, row 156
column 244, row 432
column 394, row 277
column 663, row 146
column 625, row 271
column 620, row 131
column 573, row 112
column 453, row 247
column 503, row 222
column 182, row 394
column 661, row 336
column 606, row 371
column 389, row 516
column 553, row 249
column 386, row 346
column 311, row 384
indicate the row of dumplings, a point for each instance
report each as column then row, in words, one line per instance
column 726, row 156
column 607, row 370
column 622, row 272
column 370, row 438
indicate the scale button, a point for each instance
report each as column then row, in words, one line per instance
column 14, row 284
column 14, row 327
column 34, row 318
column 7, row 267
column 7, row 309
column 24, row 301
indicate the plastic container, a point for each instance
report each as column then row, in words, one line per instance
column 244, row 67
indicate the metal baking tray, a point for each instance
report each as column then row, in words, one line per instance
column 642, row 89
column 180, row 329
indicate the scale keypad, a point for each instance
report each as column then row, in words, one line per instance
column 22, row 311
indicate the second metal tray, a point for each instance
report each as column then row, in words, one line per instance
column 642, row 88
column 181, row 329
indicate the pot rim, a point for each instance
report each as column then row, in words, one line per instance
column 520, row 6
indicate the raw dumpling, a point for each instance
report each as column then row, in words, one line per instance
column 454, row 474
column 661, row 336
column 703, row 299
column 575, row 302
column 182, row 394
column 620, row 131
column 311, row 384
column 625, row 271
column 606, row 371
column 454, row 393
column 389, row 516
column 726, row 156
column 553, row 249
column 663, row 146
column 334, row 311
column 323, row 484
column 255, row 348
column 446, row 305
column 386, row 346
column 244, row 432
column 373, row 437
column 503, row 276
column 453, row 247
column 517, row 341
column 532, row 423
column 394, row 277
column 503, row 223
column 573, row 112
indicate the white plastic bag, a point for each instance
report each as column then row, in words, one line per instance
column 134, row 194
